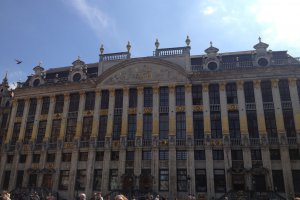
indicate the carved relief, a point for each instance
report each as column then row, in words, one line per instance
column 292, row 82
column 274, row 83
column 205, row 87
column 256, row 84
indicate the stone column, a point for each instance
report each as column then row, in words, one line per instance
column 36, row 119
column 140, row 111
column 277, row 108
column 11, row 124
column 155, row 111
column 96, row 115
column 56, row 176
column 49, row 118
column 73, row 173
column 172, row 143
column 125, row 112
column 206, row 110
column 155, row 168
column 105, row 171
column 64, row 116
column 247, row 166
column 295, row 104
column 43, row 160
column 14, row 169
column 110, row 116
column 286, row 170
column 27, row 166
column 2, row 167
column 90, row 171
column 79, row 117
column 24, row 121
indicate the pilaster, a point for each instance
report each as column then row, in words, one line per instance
column 295, row 103
column 224, row 112
column 73, row 174
column 155, row 168
column 286, row 170
column 172, row 110
column 11, row 122
column 89, row 171
column 125, row 111
column 96, row 114
column 277, row 107
column 242, row 108
column 24, row 120
column 49, row 118
column 14, row 169
column 36, row 119
column 259, row 108
column 64, row 116
column 105, row 172
column 79, row 116
column 155, row 111
column 110, row 116
column 139, row 117
column 188, row 109
column 247, row 166
column 206, row 109
column 27, row 166
column 56, row 176
column 209, row 164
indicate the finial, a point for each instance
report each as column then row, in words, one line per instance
column 156, row 43
column 187, row 41
column 259, row 39
column 78, row 57
column 128, row 46
column 101, row 49
column 40, row 63
column 210, row 43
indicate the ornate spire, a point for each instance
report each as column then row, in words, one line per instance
column 211, row 49
column 260, row 45
column 128, row 46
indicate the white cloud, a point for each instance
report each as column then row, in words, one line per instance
column 208, row 10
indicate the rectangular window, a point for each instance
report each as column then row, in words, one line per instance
column 163, row 154
column 146, row 155
column 32, row 106
column 130, row 155
column 64, row 179
column 28, row 132
column 20, row 108
column 219, row 180
column 114, row 156
column 102, row 127
column 71, row 129
column 89, row 101
column 97, row 179
column 163, row 126
column 249, row 92
column 50, row 157
column 182, row 180
column 275, row 154
column 216, row 124
column 294, row 154
column 271, row 123
column 147, row 126
column 163, row 96
column 236, row 154
column 104, row 99
column 118, row 98
column 200, row 179
column 99, row 156
column 9, row 159
column 59, row 104
column 256, row 154
column 117, row 125
column 199, row 154
column 252, row 124
column 4, row 120
column 284, row 90
column 197, row 94
column 218, row 155
column 132, row 98
column 278, row 180
column 163, row 180
column 74, row 102
column 16, row 132
column 113, row 179
column 266, row 91
column 198, row 123
column 22, row 158
column 298, row 88
column 87, row 127
column 181, row 155
column 148, row 97
column 296, row 180
column 45, row 105
column 66, row 157
column 234, row 124
column 6, row 179
column 289, row 123
column 20, row 175
column 41, row 131
column 32, row 180
column 180, row 96
column 180, row 125
column 36, row 158
column 231, row 93
column 83, row 156
column 56, row 123
column 131, row 127
column 214, row 94
column 80, row 179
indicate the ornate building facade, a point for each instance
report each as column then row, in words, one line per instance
column 171, row 123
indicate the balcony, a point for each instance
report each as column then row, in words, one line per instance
column 286, row 105
column 52, row 145
column 237, row 164
column 214, row 107
column 170, row 51
column 235, row 142
column 115, row 56
column 268, row 105
column 199, row 142
column 257, row 163
column 147, row 142
column 130, row 143
column 250, row 106
column 72, row 114
column 100, row 144
column 118, row 111
column 84, row 144
column 180, row 142
column 273, row 140
column 163, row 109
column 292, row 140
column 254, row 141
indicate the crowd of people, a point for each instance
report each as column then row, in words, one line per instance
column 21, row 196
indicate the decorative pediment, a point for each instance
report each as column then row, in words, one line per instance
column 144, row 72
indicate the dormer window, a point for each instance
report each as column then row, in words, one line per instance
column 77, row 77
column 212, row 66
column 36, row 82
column 262, row 62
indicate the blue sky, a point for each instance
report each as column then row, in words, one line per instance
column 57, row 31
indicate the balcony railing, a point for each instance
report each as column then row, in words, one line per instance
column 84, row 144
column 237, row 164
column 254, row 141
column 52, row 145
column 100, row 144
column 115, row 56
column 286, row 105
column 147, row 142
column 72, row 114
column 273, row 140
column 214, row 107
column 292, row 140
column 169, row 51
column 268, row 105
column 257, row 163
column 235, row 142
column 118, row 111
column 130, row 143
column 198, row 142
column 180, row 142
column 250, row 106
column 163, row 109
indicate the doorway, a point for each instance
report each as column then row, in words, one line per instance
column 238, row 182
column 259, row 183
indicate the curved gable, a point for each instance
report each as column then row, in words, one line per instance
column 147, row 70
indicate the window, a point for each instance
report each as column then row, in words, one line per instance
column 278, row 180
column 59, row 104
column 163, row 180
column 132, row 98
column 197, row 94
column 45, row 105
column 89, row 101
column 113, row 179
column 180, row 126
column 28, row 132
column 117, row 125
column 163, row 96
column 104, row 99
column 118, row 98
column 64, row 179
column 200, row 179
column 66, row 157
column 6, row 179
column 71, row 129
column 131, row 127
column 83, row 156
column 56, row 123
column 199, row 154
column 294, row 154
column 219, row 180
column 271, row 123
column 234, row 124
column 180, row 96
column 41, row 131
column 148, row 100
column 22, row 158
column 20, row 175
column 296, row 180
column 256, row 154
column 231, row 93
column 87, row 128
column 237, row 154
column 218, row 155
column 275, row 154
column 289, row 123
column 4, row 120
column 266, row 91
column 198, row 125
column 214, row 95
column 32, row 180
column 249, row 92
column 97, row 179
column 102, row 127
column 147, row 127
column 163, row 126
column 216, row 125
column 20, row 108
column 80, row 179
column 74, row 102
column 252, row 124
column 163, row 154
column 32, row 107
column 50, row 157
column 114, row 156
column 16, row 132
column 182, row 180
column 99, row 156
column 130, row 155
column 9, row 159
column 181, row 155
column 284, row 90
column 146, row 155
column 36, row 158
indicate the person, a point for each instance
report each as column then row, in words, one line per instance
column 5, row 195
column 50, row 197
column 82, row 196
column 97, row 196
column 120, row 197
column 34, row 196
column 157, row 197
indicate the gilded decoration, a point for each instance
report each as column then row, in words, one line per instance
column 256, row 84
column 125, row 91
column 131, row 110
column 111, row 92
column 68, row 145
column 104, row 112
column 205, row 87
column 222, row 86
column 188, row 88
column 231, row 107
column 116, row 144
column 26, row 147
column 274, row 83
column 18, row 119
column 240, row 84
column 197, row 108
column 171, row 89
column 43, row 117
column 155, row 89
column 148, row 110
column 87, row 112
column 180, row 108
column 216, row 142
column 57, row 115
column 292, row 82
column 140, row 90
